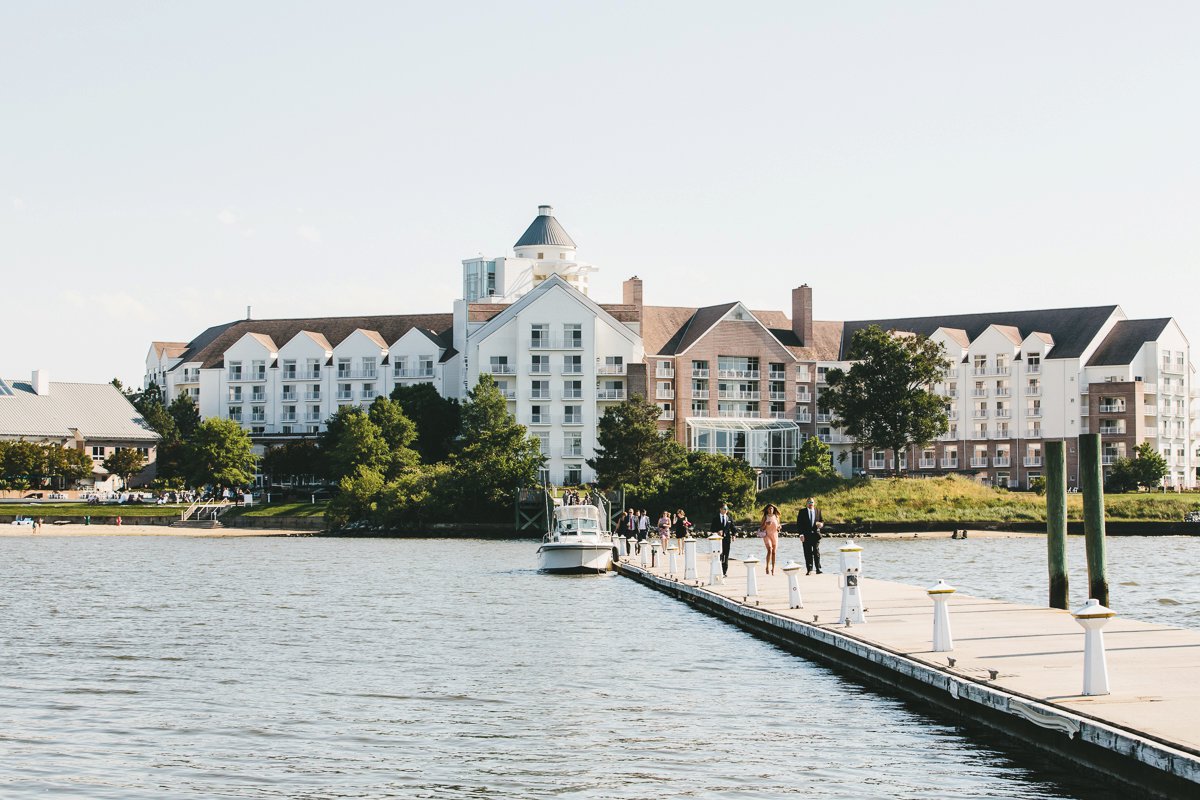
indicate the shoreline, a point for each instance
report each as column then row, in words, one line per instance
column 76, row 530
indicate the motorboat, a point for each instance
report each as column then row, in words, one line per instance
column 578, row 542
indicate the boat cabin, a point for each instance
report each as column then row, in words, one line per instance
column 581, row 520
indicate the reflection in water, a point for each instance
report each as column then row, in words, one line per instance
column 318, row 668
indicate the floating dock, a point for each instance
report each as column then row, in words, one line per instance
column 1016, row 668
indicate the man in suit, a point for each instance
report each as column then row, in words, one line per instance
column 809, row 523
column 723, row 524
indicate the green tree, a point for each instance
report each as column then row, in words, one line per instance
column 885, row 400
column 124, row 462
column 416, row 498
column 220, row 453
column 67, row 464
column 187, row 417
column 700, row 482
column 292, row 461
column 351, row 440
column 631, row 452
column 357, row 497
column 24, row 464
column 438, row 419
column 494, row 457
column 814, row 455
column 398, row 433
column 1148, row 467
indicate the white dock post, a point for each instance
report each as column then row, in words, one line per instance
column 672, row 563
column 654, row 546
column 715, row 575
column 850, row 555
column 751, row 578
column 689, row 559
column 939, row 593
column 644, row 553
column 1093, row 617
column 792, row 570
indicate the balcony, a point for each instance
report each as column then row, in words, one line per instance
column 1084, row 427
column 1149, row 388
column 556, row 344
column 664, row 394
column 803, row 415
column 368, row 394
column 1033, row 461
column 1150, row 411
column 666, row 415
column 288, row 375
column 980, row 413
column 1003, row 391
column 311, row 417
column 951, row 393
column 747, row 374
column 1003, row 413
column 353, row 374
column 949, row 463
column 737, row 413
column 1174, row 369
column 820, row 377
column 235, row 375
column 312, row 395
column 1033, row 391
column 539, row 419
column 700, row 373
column 1112, row 408
column 1033, row 412
column 777, row 397
column 952, row 414
column 823, row 417
column 345, row 395
column 1000, row 461
column 572, row 419
column 572, row 369
column 927, row 463
column 979, row 463
column 424, row 372
column 877, row 464
column 662, row 372
column 777, row 376
column 1001, row 370
column 539, row 369
column 236, row 417
column 610, row 394
column 728, row 395
column 287, row 397
column 979, row 393
column 1112, row 430
column 539, row 394
column 1033, row 433
column 289, row 417
column 611, row 369
column 258, row 398
column 700, row 394
column 311, row 375
column 505, row 369
column 1108, row 459
column 802, row 377
column 1033, row 368
column 1150, row 433
column 803, row 397
column 779, row 415
column 979, row 372
column 572, row 394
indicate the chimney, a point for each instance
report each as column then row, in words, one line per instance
column 41, row 382
column 247, row 312
column 631, row 295
column 802, row 319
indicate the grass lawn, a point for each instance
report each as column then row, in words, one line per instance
column 956, row 499
column 283, row 510
column 85, row 510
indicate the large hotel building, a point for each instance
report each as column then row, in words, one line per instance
column 728, row 378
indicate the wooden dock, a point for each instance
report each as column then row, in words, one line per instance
column 1018, row 668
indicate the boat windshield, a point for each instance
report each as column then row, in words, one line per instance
column 574, row 520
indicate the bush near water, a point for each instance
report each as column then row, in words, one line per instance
column 954, row 499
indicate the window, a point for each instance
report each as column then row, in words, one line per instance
column 540, row 365
column 614, row 365
column 1033, row 362
column 498, row 365
column 699, row 369
column 235, row 413
column 424, row 366
column 258, row 370
column 821, row 372
column 369, row 363
column 343, row 367
column 539, row 415
column 572, row 365
column 543, row 438
column 572, row 335
column 313, row 368
column 541, row 256
column 345, row 391
column 400, row 366
column 572, row 415
column 539, row 335
column 289, row 370
column 573, row 474
column 235, row 370
column 235, row 394
column 572, row 444
column 572, row 390
column 98, row 453
column 539, row 390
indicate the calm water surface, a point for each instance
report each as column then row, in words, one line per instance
column 319, row 668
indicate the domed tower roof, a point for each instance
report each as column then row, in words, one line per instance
column 545, row 229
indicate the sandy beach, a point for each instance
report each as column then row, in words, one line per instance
column 143, row 530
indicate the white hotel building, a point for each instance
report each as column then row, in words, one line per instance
column 728, row 378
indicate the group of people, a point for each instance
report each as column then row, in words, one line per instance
column 808, row 523
column 635, row 524
column 572, row 497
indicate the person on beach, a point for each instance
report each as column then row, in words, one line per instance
column 770, row 534
column 809, row 523
column 723, row 524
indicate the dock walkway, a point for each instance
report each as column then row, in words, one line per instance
column 1152, row 717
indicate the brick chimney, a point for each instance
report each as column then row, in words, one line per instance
column 631, row 295
column 802, row 318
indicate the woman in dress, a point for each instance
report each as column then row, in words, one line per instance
column 770, row 529
column 664, row 529
column 681, row 529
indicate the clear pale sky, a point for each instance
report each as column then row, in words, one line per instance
column 164, row 165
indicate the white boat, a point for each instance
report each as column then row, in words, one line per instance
column 577, row 542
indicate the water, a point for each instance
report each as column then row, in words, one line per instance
column 1156, row 578
column 322, row 668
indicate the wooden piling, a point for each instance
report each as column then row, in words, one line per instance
column 1056, row 522
column 1091, row 483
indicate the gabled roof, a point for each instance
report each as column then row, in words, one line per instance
column 1010, row 333
column 1125, row 339
column 958, row 335
column 317, row 338
column 670, row 330
column 552, row 282
column 545, row 229
column 96, row 410
column 170, row 349
column 265, row 341
column 1073, row 329
column 209, row 347
column 374, row 337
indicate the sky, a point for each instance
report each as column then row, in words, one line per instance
column 165, row 165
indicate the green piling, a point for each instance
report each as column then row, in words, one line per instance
column 1091, row 482
column 1056, row 522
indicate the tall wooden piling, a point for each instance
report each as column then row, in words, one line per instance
column 1056, row 522
column 1091, row 482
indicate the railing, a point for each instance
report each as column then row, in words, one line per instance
column 730, row 395
column 508, row 394
column 310, row 417
column 1112, row 430
column 779, row 415
column 612, row 369
column 952, row 414
column 345, row 395
column 802, row 377
column 700, row 394
column 803, row 415
column 877, row 465
column 1032, row 368
column 203, row 509
column 1001, row 370
column 666, row 415
column 610, row 394
column 824, row 417
column 1000, row 461
column 1084, row 427
column 1108, row 460
column 1033, row 433
column 236, row 417
column 1033, row 412
column 777, row 376
column 980, row 413
column 949, row 463
column 235, row 376
column 288, row 417
column 1033, row 391
column 1172, row 368
column 539, row 419
column 572, row 452
column 1003, row 413
column 312, row 395
column 1112, row 408
column 311, row 375
column 1033, row 461
column 1150, row 432
column 820, row 377
column 952, row 393
column 555, row 344
column 803, row 397
column 927, row 463
column 504, row 369
column 288, row 397
column 1149, row 388
column 414, row 373
column 572, row 394
column 1003, row 391
column 367, row 395
column 258, row 417
column 750, row 374
column 572, row 369
column 777, row 396
column 258, row 398
column 979, row 393
column 572, row 419
column 539, row 394
column 664, row 373
column 289, row 375
column 979, row 371
column 665, row 394
column 979, row 462
column 351, row 374
column 700, row 373
column 737, row 413
column 539, row 369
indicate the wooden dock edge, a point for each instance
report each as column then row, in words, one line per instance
column 1143, row 763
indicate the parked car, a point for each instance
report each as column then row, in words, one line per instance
column 23, row 521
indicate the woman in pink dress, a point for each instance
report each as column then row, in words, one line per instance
column 770, row 529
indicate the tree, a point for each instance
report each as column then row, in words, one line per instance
column 357, row 497
column 68, row 464
column 24, row 464
column 438, row 419
column 700, row 482
column 351, row 440
column 884, row 401
column 630, row 450
column 495, row 455
column 814, row 455
column 1148, row 467
column 293, row 460
column 187, row 417
column 124, row 462
column 398, row 433
column 220, row 453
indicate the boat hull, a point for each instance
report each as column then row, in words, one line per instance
column 575, row 558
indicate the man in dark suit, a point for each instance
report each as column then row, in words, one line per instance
column 809, row 523
column 723, row 524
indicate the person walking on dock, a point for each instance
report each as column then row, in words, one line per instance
column 643, row 527
column 723, row 524
column 664, row 529
column 770, row 536
column 809, row 524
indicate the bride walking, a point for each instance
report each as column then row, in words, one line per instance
column 770, row 534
